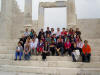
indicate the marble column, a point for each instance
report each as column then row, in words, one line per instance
column 41, row 18
column 72, row 18
column 6, row 22
column 28, row 12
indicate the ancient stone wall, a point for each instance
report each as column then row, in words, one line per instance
column 90, row 27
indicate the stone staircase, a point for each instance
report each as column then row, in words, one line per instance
column 55, row 65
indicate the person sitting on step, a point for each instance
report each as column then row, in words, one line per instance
column 67, row 46
column 27, row 51
column 75, row 53
column 60, row 46
column 86, row 52
column 26, row 33
column 19, row 51
column 40, row 47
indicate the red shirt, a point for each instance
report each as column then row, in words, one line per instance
column 86, row 49
column 63, row 33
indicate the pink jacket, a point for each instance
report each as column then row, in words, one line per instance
column 67, row 45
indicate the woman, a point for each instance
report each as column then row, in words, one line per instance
column 32, row 33
column 68, row 47
column 75, row 53
column 45, row 52
column 60, row 46
column 53, row 47
column 27, row 51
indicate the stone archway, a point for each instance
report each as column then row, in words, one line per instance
column 71, row 15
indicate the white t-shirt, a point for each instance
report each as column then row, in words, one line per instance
column 53, row 33
column 26, row 33
column 58, row 33
column 80, row 44
column 32, row 45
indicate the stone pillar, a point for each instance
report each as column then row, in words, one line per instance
column 41, row 18
column 28, row 12
column 6, row 22
column 72, row 19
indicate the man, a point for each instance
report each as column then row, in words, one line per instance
column 58, row 33
column 26, row 33
column 78, row 32
column 86, row 52
column 63, row 33
column 40, row 34
column 52, row 31
column 48, row 31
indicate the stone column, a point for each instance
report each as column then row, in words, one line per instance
column 72, row 19
column 6, row 22
column 28, row 12
column 41, row 18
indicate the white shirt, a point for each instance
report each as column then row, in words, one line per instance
column 33, row 45
column 80, row 44
column 36, row 42
column 53, row 33
column 26, row 33
column 58, row 33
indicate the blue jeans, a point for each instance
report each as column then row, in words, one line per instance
column 27, row 56
column 73, row 57
column 62, row 50
column 18, row 54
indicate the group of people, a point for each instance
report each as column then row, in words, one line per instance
column 56, row 43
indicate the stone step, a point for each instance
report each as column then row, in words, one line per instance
column 4, row 48
column 8, row 44
column 50, row 70
column 7, row 51
column 94, row 53
column 64, row 64
column 49, row 58
column 38, row 58
column 9, row 40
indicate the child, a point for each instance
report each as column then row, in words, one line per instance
column 19, row 51
column 40, row 47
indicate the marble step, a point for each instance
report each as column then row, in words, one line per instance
column 7, row 51
column 49, row 58
column 64, row 64
column 50, row 70
column 38, row 58
column 8, row 40
column 13, row 52
column 8, row 44
column 81, row 72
